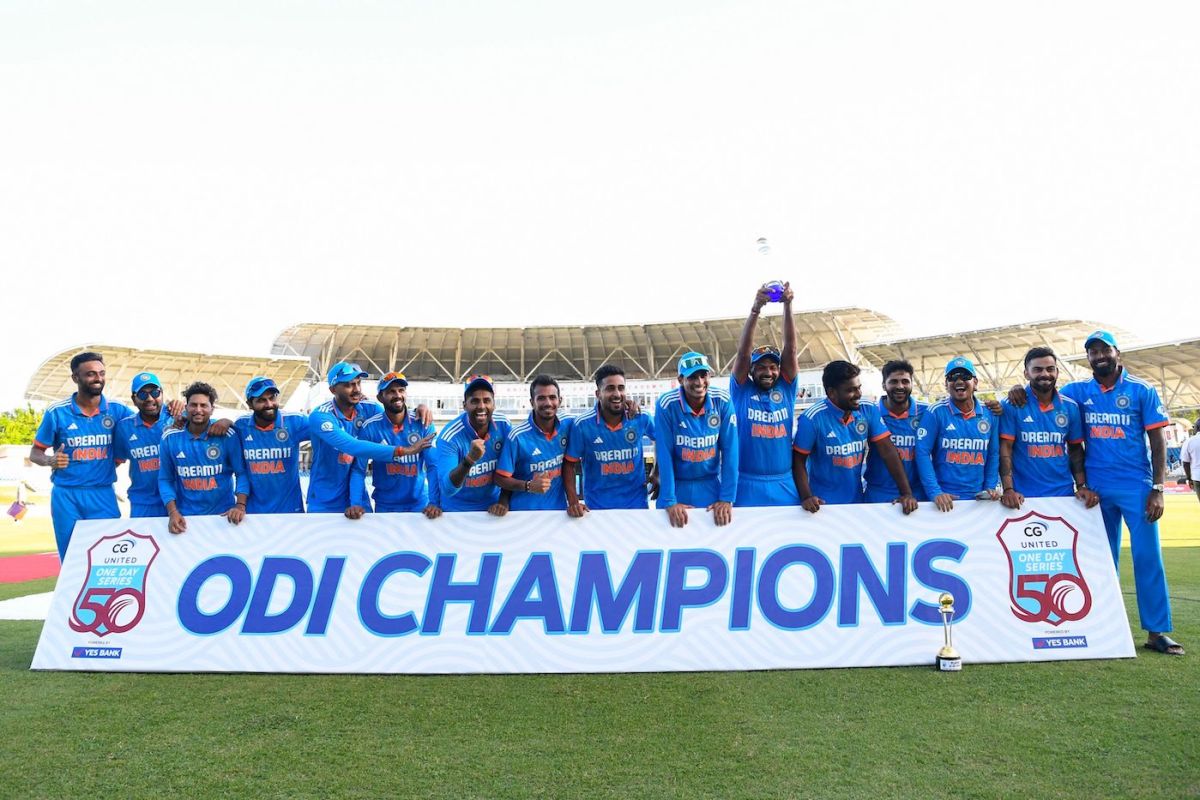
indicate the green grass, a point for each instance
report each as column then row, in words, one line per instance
column 1123, row 728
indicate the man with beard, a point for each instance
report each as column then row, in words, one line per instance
column 762, row 389
column 271, row 441
column 197, row 467
column 831, row 444
column 607, row 446
column 468, row 450
column 957, row 456
column 696, row 447
column 901, row 414
column 400, row 482
column 80, row 431
column 1041, row 445
column 136, row 440
column 529, row 472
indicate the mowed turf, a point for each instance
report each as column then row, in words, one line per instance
column 1123, row 728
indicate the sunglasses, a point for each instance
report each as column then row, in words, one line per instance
column 476, row 377
column 954, row 377
column 257, row 387
column 146, row 394
column 393, row 376
column 697, row 361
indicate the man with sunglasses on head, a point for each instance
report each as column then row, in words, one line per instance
column 468, row 450
column 401, row 482
column 137, row 439
column 696, row 446
column 271, row 440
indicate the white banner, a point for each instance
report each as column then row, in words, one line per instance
column 617, row 591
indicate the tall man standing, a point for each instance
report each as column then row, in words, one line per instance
column 530, row 467
column 271, row 440
column 696, row 446
column 901, row 413
column 136, row 440
column 468, row 450
column 957, row 456
column 401, row 482
column 763, row 391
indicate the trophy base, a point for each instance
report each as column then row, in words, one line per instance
column 945, row 664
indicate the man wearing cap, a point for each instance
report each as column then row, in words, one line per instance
column 762, row 389
column 271, row 440
column 696, row 446
column 901, row 413
column 529, row 471
column 468, row 450
column 136, row 440
column 80, row 431
column 957, row 443
column 400, row 482
column 334, row 427
column 831, row 444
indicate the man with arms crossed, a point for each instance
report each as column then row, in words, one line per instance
column 901, row 413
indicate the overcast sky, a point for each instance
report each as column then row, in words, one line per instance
column 201, row 176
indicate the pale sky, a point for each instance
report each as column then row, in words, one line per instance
column 200, row 176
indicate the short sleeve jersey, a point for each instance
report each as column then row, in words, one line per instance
column 835, row 443
column 272, row 456
column 86, row 438
column 903, row 428
column 1040, row 435
column 137, row 442
column 529, row 450
column 1115, row 422
column 478, row 491
column 765, row 426
column 612, row 459
column 399, row 480
column 197, row 472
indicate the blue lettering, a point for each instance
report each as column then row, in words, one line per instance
column 857, row 570
column 538, row 575
column 931, row 578
column 478, row 593
column 258, row 621
column 795, row 619
column 743, row 589
column 331, row 574
column 678, row 596
column 594, row 584
column 372, row 618
column 191, row 617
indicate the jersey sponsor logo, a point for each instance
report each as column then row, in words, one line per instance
column 1028, row 419
column 181, row 454
column 113, row 596
column 598, row 440
column 831, row 435
column 950, row 427
column 1045, row 581
column 537, row 451
column 72, row 427
column 133, row 437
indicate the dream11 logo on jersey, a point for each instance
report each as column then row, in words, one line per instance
column 1045, row 583
column 113, row 597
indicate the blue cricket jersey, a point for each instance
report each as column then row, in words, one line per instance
column 86, row 438
column 1040, row 434
column 696, row 451
column 400, row 482
column 528, row 450
column 903, row 427
column 137, row 442
column 335, row 445
column 197, row 472
column 477, row 492
column 765, row 426
column 957, row 453
column 836, row 443
column 272, row 456
column 613, row 464
column 1115, row 422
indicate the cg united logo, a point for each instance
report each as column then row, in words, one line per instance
column 1045, row 584
column 113, row 597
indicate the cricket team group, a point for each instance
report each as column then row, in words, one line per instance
column 713, row 449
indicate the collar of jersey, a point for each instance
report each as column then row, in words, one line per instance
column 549, row 436
column 600, row 419
column 100, row 409
column 954, row 409
column 838, row 413
column 1033, row 398
column 1119, row 381
column 883, row 408
column 703, row 409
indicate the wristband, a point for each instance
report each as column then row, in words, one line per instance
column 527, row 486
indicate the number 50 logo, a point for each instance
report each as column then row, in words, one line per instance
column 1045, row 582
column 113, row 596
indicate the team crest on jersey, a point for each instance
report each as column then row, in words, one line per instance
column 107, row 421
column 414, row 437
column 776, row 396
column 714, row 420
column 113, row 596
column 359, row 421
column 498, row 445
column 213, row 452
column 984, row 426
column 562, row 441
column 1123, row 401
column 1060, row 419
column 630, row 436
column 860, row 427
column 281, row 435
column 915, row 422
column 1045, row 583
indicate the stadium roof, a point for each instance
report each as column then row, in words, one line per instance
column 998, row 353
column 572, row 352
column 227, row 374
column 1173, row 367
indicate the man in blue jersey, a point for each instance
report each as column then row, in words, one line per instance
column 901, row 413
column 831, row 443
column 468, row 450
column 607, row 446
column 1041, row 445
column 136, row 440
column 271, row 440
column 957, row 443
column 198, row 468
column 762, row 388
column 80, row 432
column 401, row 483
column 529, row 472
column 696, row 446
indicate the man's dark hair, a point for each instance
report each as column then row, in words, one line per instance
column 542, row 380
column 83, row 358
column 201, row 388
column 1038, row 352
column 607, row 371
column 838, row 372
column 897, row 365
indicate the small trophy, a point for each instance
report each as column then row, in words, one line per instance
column 948, row 659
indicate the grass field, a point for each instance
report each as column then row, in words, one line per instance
column 1096, row 729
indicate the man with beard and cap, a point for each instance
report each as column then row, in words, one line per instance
column 271, row 440
column 1120, row 413
column 901, row 413
column 80, row 431
column 831, row 443
column 1041, row 445
column 696, row 446
column 529, row 472
column 468, row 450
column 607, row 446
column 762, row 388
column 957, row 449
column 401, row 483
column 137, row 439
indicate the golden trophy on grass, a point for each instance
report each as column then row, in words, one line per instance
column 948, row 659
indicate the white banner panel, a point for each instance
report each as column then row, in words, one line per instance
column 618, row 591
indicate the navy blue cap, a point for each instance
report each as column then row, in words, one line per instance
column 344, row 372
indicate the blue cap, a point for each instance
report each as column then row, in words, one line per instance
column 1101, row 336
column 389, row 379
column 692, row 362
column 257, row 387
column 144, row 379
column 477, row 382
column 344, row 372
column 766, row 351
column 960, row 363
